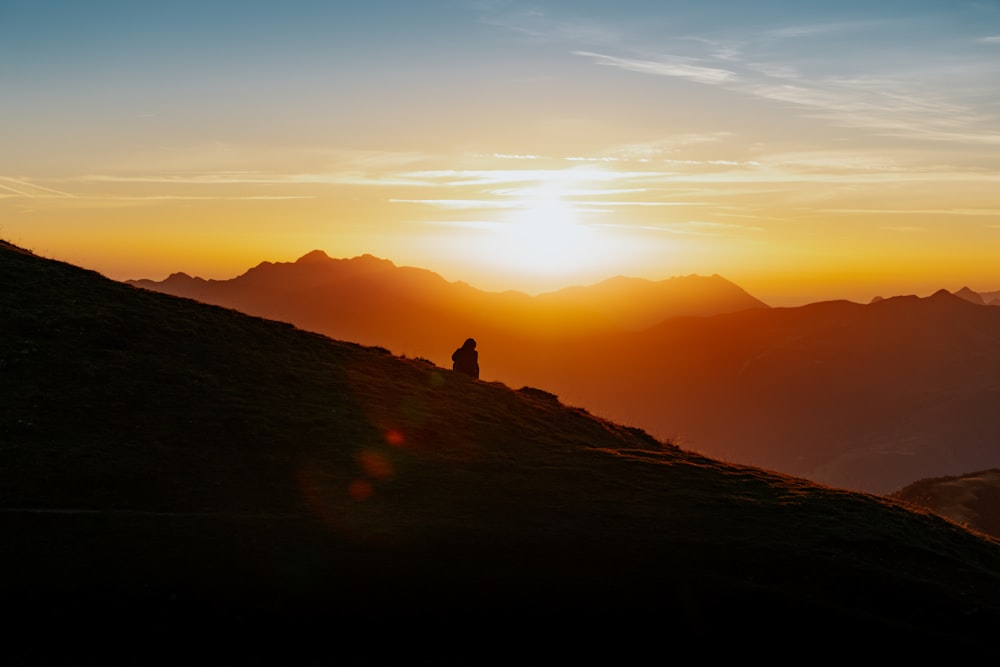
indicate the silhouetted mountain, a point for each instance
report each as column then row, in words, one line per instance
column 182, row 483
column 416, row 312
column 990, row 298
column 980, row 298
column 972, row 500
column 969, row 295
column 865, row 397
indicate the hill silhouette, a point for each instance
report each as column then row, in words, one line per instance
column 972, row 500
column 184, row 482
column 869, row 397
column 866, row 397
column 984, row 298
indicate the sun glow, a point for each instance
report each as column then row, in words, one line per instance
column 541, row 230
column 544, row 233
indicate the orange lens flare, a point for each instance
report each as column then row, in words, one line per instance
column 375, row 464
column 361, row 489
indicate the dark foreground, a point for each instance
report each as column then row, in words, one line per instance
column 183, row 484
column 272, row 590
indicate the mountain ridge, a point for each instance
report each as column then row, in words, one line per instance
column 364, row 288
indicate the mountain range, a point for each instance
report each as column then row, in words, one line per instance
column 417, row 312
column 869, row 397
column 183, row 483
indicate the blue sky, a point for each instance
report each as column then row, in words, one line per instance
column 804, row 150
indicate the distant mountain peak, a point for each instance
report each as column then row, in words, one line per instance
column 314, row 256
column 970, row 295
column 369, row 259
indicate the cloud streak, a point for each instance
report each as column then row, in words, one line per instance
column 670, row 66
column 883, row 105
column 21, row 188
column 931, row 94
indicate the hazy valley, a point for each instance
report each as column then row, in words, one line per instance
column 861, row 396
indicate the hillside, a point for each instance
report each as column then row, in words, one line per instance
column 972, row 500
column 186, row 483
column 868, row 397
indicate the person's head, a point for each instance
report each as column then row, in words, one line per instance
column 470, row 343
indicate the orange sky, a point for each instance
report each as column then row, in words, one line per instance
column 802, row 153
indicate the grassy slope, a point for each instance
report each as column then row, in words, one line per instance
column 972, row 500
column 175, row 474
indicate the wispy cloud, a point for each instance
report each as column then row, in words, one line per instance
column 964, row 212
column 461, row 204
column 904, row 229
column 217, row 178
column 699, row 228
column 11, row 188
column 22, row 188
column 337, row 177
column 915, row 92
column 676, row 66
column 885, row 105
column 541, row 25
column 581, row 204
column 807, row 30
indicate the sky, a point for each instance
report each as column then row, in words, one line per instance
column 803, row 150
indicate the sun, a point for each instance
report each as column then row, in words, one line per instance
column 542, row 230
column 544, row 233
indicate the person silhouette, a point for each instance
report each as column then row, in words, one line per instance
column 466, row 359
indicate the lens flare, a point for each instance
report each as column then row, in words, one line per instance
column 361, row 489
